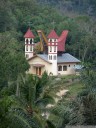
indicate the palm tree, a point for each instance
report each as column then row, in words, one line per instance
column 27, row 108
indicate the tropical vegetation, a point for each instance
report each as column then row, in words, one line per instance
column 25, row 99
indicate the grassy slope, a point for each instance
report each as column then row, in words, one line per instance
column 71, row 83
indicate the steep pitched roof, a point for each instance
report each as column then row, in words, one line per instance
column 62, row 40
column 52, row 35
column 29, row 34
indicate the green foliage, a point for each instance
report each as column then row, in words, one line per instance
column 23, row 98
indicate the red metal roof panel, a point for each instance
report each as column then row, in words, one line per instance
column 62, row 40
column 53, row 35
column 29, row 34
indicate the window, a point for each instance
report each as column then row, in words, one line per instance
column 60, row 68
column 31, row 41
column 27, row 56
column 50, row 49
column 69, row 65
column 50, row 40
column 26, row 41
column 31, row 48
column 54, row 48
column 64, row 68
column 26, row 47
column 51, row 57
column 54, row 57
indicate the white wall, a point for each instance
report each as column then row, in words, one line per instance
column 38, row 60
column 70, row 70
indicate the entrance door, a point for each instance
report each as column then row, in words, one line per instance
column 36, row 71
column 39, row 70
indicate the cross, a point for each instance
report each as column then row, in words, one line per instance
column 29, row 23
column 53, row 23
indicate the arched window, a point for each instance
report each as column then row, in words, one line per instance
column 26, row 47
column 26, row 41
column 27, row 56
column 50, row 48
column 31, row 41
column 64, row 68
column 51, row 57
column 54, row 57
column 59, row 68
column 30, row 47
column 54, row 48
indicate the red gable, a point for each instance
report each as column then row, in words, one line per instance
column 29, row 34
column 53, row 35
column 62, row 40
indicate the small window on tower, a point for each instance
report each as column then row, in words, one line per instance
column 50, row 49
column 31, row 41
column 54, row 48
column 31, row 48
column 27, row 56
column 27, row 48
column 26, row 41
column 54, row 57
column 50, row 57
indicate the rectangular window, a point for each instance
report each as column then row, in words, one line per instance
column 60, row 68
column 64, row 68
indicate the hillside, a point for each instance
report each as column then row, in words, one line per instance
column 17, row 16
column 24, row 98
column 80, row 6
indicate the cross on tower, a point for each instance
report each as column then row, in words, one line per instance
column 29, row 23
column 53, row 24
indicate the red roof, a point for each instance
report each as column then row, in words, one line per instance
column 29, row 34
column 62, row 40
column 53, row 35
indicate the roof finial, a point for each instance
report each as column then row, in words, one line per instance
column 29, row 24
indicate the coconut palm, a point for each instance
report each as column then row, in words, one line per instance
column 28, row 107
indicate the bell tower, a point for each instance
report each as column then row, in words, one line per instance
column 52, row 50
column 29, row 44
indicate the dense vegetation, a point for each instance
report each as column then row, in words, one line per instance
column 23, row 98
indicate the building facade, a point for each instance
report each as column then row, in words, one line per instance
column 56, row 61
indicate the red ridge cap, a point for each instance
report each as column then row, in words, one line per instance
column 29, row 34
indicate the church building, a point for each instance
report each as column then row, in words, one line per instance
column 56, row 61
